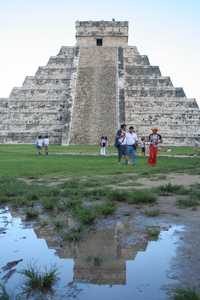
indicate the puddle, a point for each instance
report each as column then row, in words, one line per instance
column 97, row 268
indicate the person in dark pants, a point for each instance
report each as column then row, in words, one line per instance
column 131, row 141
column 120, row 143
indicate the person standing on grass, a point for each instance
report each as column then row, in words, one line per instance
column 121, row 144
column 103, row 145
column 39, row 144
column 143, row 146
column 131, row 141
column 46, row 144
column 117, row 140
column 154, row 140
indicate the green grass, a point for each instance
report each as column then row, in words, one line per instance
column 48, row 203
column 180, row 150
column 186, row 294
column 88, row 179
column 133, row 197
column 37, row 280
column 152, row 213
column 74, row 234
column 188, row 202
column 192, row 198
column 153, row 232
column 169, row 189
column 20, row 161
column 31, row 214
column 3, row 293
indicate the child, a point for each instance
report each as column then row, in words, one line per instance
column 103, row 145
column 46, row 144
column 143, row 146
column 39, row 144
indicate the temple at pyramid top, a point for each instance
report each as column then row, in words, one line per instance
column 102, row 33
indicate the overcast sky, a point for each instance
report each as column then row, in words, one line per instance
column 168, row 31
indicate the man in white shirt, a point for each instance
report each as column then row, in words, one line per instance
column 131, row 141
column 39, row 144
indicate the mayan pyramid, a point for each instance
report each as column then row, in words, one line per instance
column 90, row 89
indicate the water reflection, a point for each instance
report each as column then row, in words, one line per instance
column 102, row 266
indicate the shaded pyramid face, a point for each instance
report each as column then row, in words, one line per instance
column 88, row 90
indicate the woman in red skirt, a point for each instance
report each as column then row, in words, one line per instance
column 154, row 140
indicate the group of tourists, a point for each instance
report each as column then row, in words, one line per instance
column 42, row 142
column 127, row 142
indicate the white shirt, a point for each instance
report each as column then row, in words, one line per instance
column 45, row 141
column 131, row 138
column 39, row 142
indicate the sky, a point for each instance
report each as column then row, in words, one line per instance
column 168, row 31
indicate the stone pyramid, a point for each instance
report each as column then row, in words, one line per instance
column 90, row 89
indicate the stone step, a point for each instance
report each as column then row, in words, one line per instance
column 29, row 137
column 39, row 93
column 38, row 101
column 67, row 51
column 39, row 105
column 160, row 100
column 33, row 82
column 155, row 92
column 163, row 110
column 60, row 61
column 134, row 70
column 37, row 111
column 166, row 118
column 146, row 81
column 96, row 55
column 52, row 72
column 31, row 126
column 4, row 103
column 96, row 84
column 137, row 60
column 131, row 51
column 164, row 128
column 174, row 138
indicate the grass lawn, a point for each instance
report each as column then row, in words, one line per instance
column 21, row 161
column 93, row 186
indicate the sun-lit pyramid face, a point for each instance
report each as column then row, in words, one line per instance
column 102, row 33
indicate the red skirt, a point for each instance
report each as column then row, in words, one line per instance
column 153, row 150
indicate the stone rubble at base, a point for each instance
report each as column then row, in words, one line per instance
column 88, row 90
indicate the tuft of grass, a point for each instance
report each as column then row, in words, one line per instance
column 105, row 209
column 118, row 195
column 59, row 222
column 143, row 197
column 186, row 294
column 133, row 197
column 153, row 232
column 169, row 189
column 152, row 213
column 48, row 203
column 73, row 235
column 3, row 294
column 71, row 203
column 86, row 216
column 188, row 202
column 31, row 214
column 41, row 281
